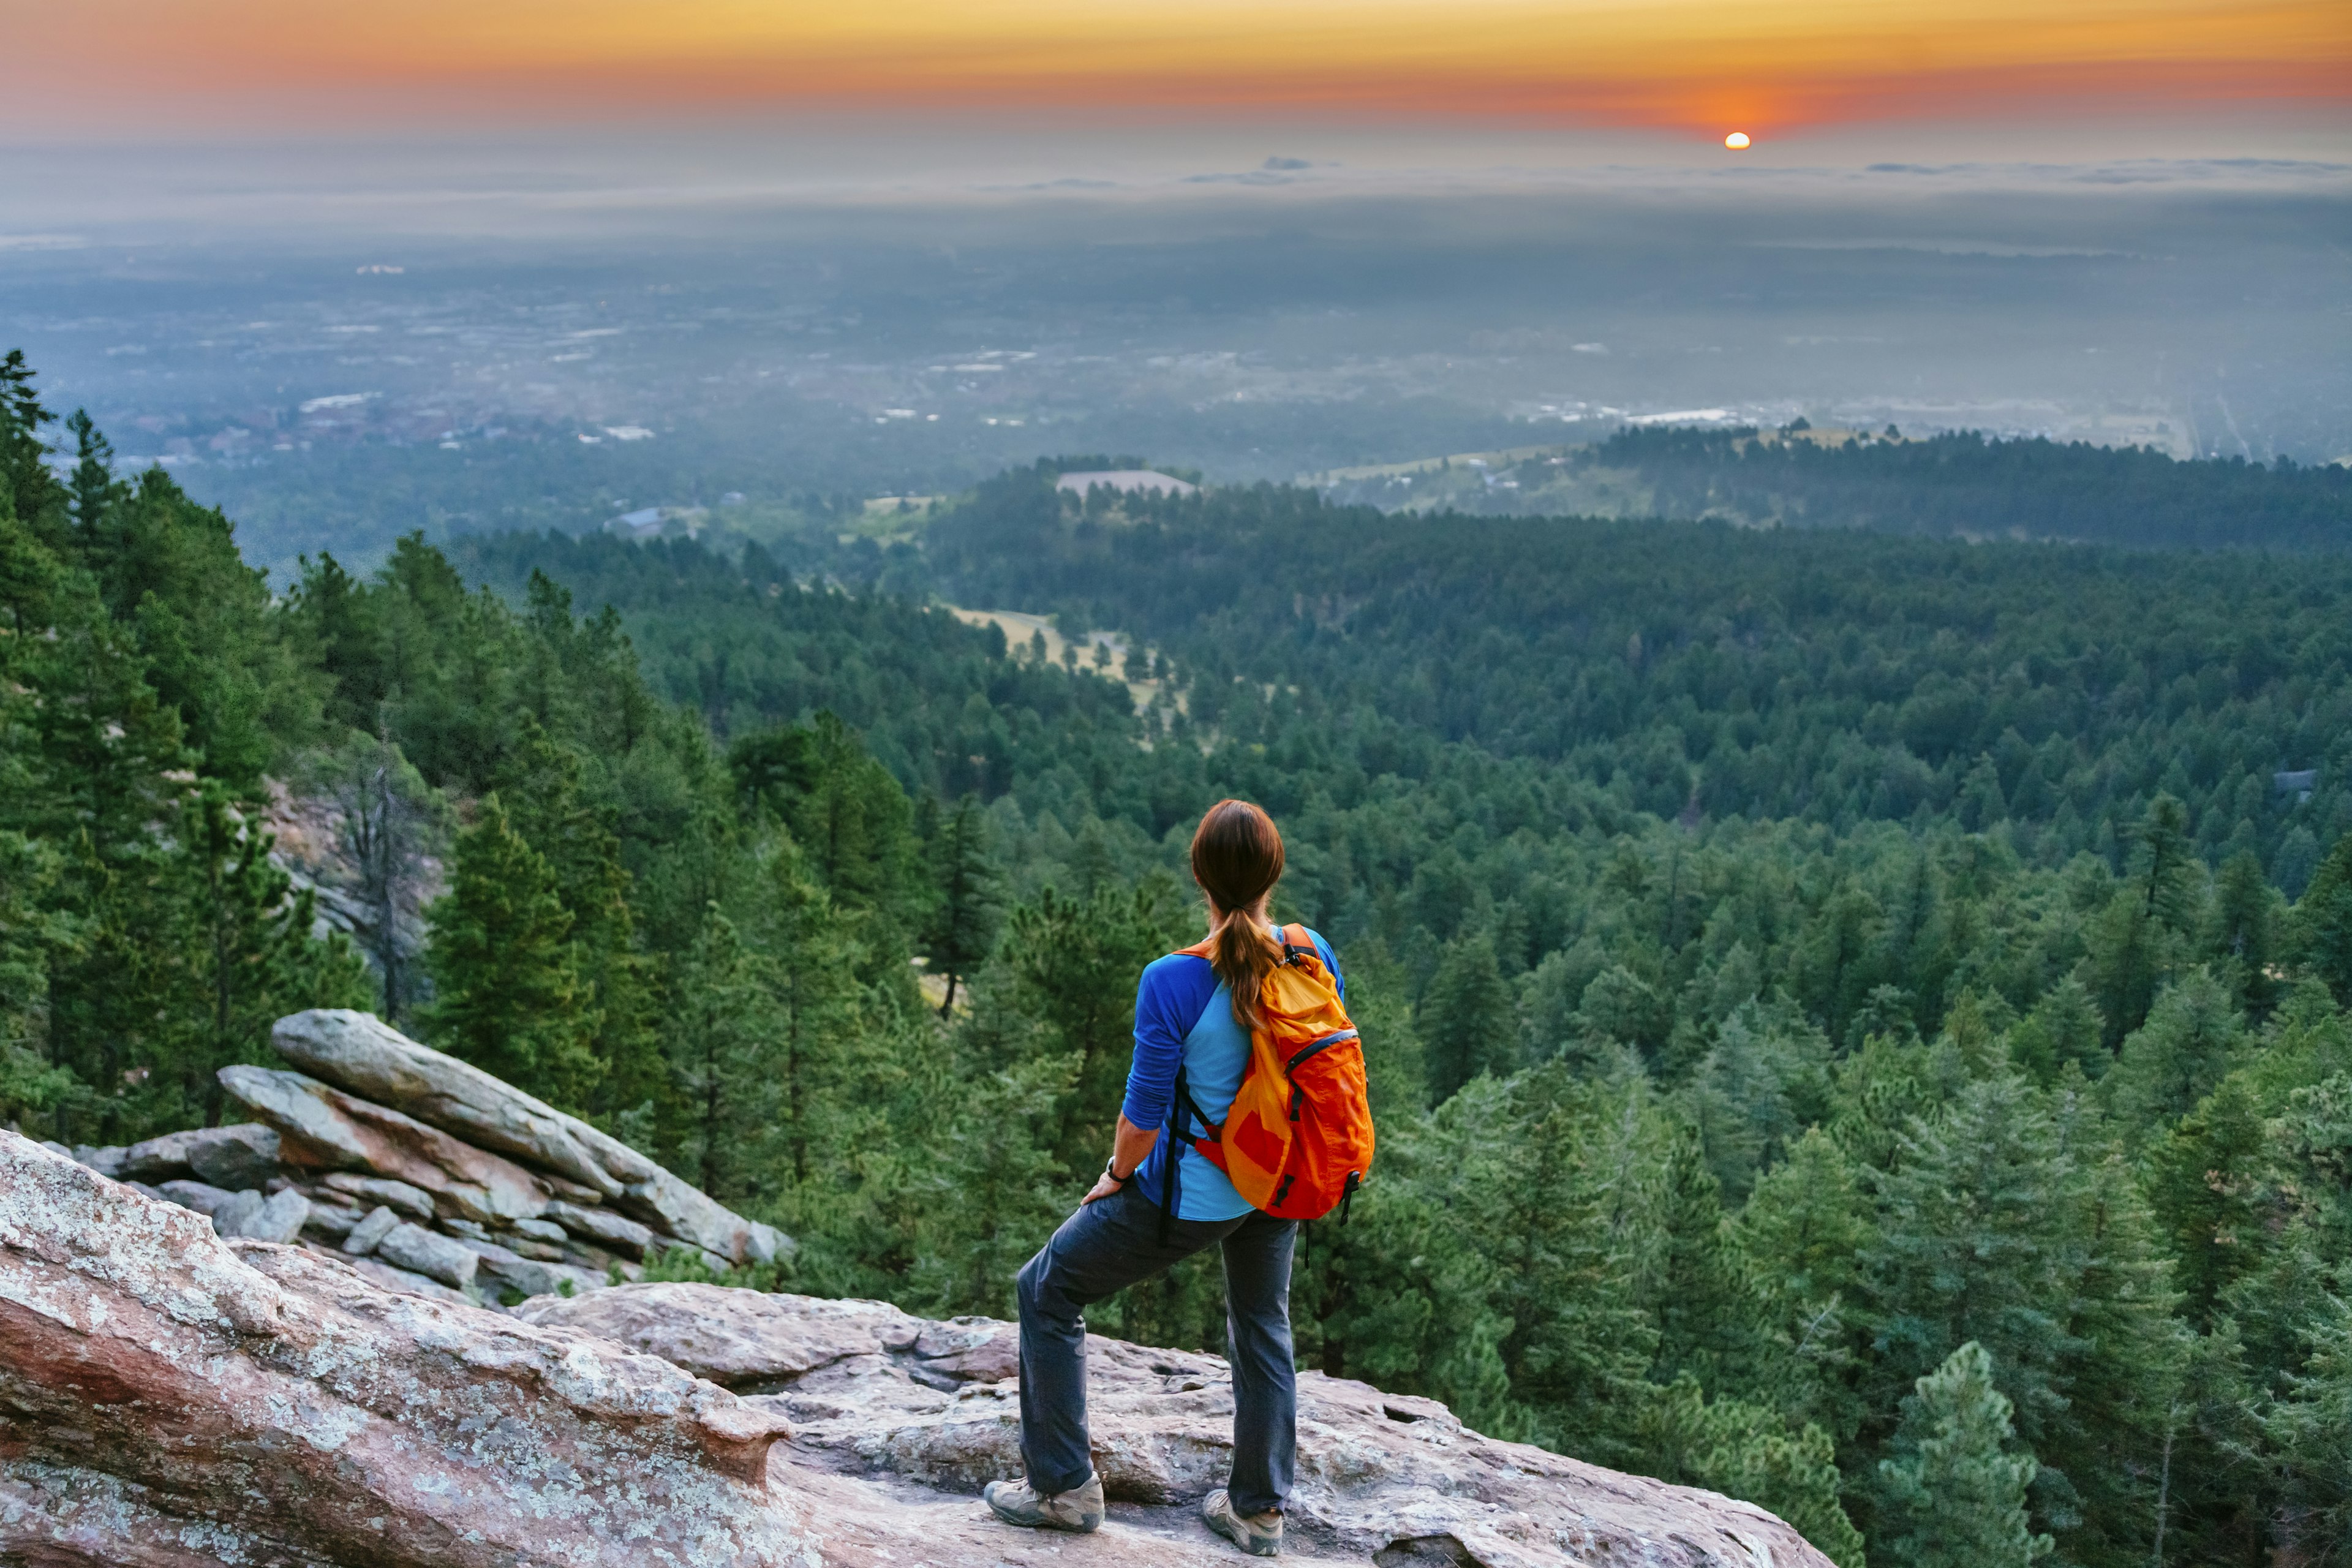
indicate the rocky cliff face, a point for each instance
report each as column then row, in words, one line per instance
column 178, row 1390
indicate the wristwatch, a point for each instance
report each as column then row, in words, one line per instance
column 1112, row 1175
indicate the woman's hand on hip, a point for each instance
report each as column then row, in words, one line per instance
column 1103, row 1187
column 1129, row 1145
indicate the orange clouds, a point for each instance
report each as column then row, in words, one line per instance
column 1694, row 64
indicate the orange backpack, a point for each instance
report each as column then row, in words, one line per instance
column 1297, row 1139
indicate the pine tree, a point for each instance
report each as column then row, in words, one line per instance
column 1751, row 1452
column 32, row 492
column 1952, row 1496
column 1803, row 1233
column 390, row 817
column 1710, row 1316
column 1808, row 1221
column 1066, row 987
column 721, row 1036
column 1466, row 1019
column 1000, row 1190
column 110, row 765
column 2310, row 1426
column 2204, row 1181
column 849, row 815
column 32, row 1089
column 2323, row 923
column 2177, row 1057
column 92, row 491
column 506, row 996
column 1738, row 1105
column 247, row 956
column 540, row 782
column 1976, row 1241
column 820, row 1052
column 961, row 929
column 2137, row 941
column 1567, row 1187
column 2064, row 1027
column 2244, row 940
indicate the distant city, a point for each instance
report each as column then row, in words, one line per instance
column 335, row 392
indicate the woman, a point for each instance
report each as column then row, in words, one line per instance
column 1192, row 1012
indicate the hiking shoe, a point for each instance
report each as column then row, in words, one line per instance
column 1259, row 1534
column 1016, row 1502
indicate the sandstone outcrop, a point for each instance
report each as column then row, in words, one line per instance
column 324, row 1128
column 370, row 1059
column 500, row 1195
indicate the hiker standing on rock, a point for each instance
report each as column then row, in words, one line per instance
column 1244, row 1051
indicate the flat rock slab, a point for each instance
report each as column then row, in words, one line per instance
column 1382, row 1478
column 326, row 1129
column 737, row 1339
column 360, row 1053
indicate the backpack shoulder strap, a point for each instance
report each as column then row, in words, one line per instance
column 1298, row 947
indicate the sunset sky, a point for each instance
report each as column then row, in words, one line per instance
column 1694, row 68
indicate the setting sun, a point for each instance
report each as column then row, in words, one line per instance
column 1736, row 141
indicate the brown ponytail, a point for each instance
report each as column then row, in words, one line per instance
column 1238, row 859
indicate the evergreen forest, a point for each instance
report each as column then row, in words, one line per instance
column 1955, row 485
column 1964, row 485
column 1862, row 1023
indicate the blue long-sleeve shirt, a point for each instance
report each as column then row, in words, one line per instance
column 1185, row 1017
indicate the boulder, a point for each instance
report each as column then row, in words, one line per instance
column 105, row 1162
column 661, row 1200
column 171, row 1398
column 421, row 1251
column 233, row 1217
column 380, row 1223
column 243, row 1155
column 525, row 1277
column 325, row 1128
column 601, row 1227
column 197, row 1195
column 278, row 1219
column 360, row 1053
column 371, row 1059
column 414, row 1202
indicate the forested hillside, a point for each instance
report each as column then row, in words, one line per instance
column 1854, row 1022
column 1960, row 484
column 1967, row 486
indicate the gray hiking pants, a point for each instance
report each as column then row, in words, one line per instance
column 1112, row 1244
